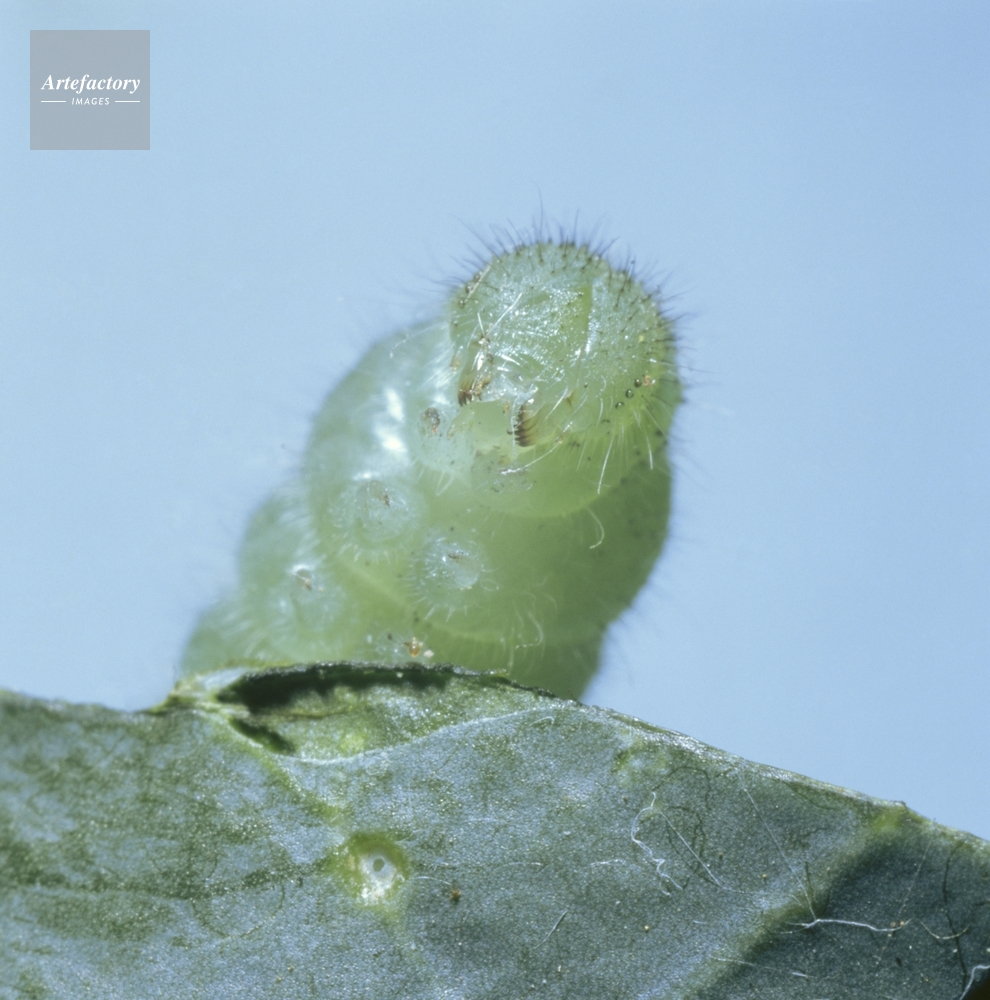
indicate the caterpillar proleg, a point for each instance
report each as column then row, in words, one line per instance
column 490, row 488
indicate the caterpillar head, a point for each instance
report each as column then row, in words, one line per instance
column 553, row 348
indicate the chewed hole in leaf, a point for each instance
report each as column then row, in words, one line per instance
column 263, row 735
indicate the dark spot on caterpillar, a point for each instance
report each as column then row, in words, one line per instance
column 524, row 429
column 430, row 420
column 468, row 392
column 417, row 648
column 455, row 895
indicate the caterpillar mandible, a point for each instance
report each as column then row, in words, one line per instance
column 489, row 489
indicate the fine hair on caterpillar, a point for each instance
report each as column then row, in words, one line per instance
column 488, row 488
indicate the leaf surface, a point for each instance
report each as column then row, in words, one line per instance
column 351, row 831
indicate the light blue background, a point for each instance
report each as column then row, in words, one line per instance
column 809, row 179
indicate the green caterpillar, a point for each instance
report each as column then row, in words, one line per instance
column 489, row 489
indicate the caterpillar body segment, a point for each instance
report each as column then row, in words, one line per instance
column 489, row 489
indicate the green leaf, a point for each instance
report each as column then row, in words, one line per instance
column 347, row 831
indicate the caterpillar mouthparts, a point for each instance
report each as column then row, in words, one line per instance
column 489, row 489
